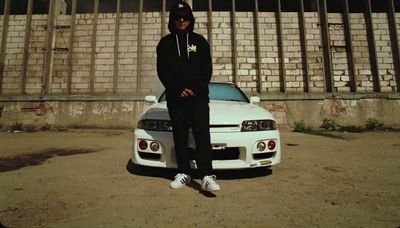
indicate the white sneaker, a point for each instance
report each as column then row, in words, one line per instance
column 181, row 180
column 209, row 184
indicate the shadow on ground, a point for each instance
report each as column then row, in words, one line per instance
column 221, row 174
column 33, row 159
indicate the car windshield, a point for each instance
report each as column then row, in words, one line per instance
column 222, row 92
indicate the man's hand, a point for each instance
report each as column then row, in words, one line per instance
column 187, row 92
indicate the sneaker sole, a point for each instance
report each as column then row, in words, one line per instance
column 210, row 190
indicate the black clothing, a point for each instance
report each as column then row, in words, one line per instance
column 179, row 68
column 184, row 62
column 185, row 113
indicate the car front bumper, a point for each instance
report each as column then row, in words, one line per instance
column 231, row 150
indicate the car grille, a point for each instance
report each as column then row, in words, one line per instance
column 224, row 128
column 230, row 153
column 150, row 156
column 263, row 156
column 223, row 125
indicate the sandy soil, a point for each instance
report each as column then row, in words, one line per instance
column 84, row 179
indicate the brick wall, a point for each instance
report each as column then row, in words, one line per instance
column 81, row 58
column 341, row 76
column 314, row 53
column 60, row 65
column 398, row 26
column 1, row 30
column 13, row 55
column 36, row 54
column 246, row 51
column 361, row 53
column 222, row 46
column 269, row 52
column 104, row 63
column 127, row 53
column 151, row 36
column 384, row 52
column 245, row 39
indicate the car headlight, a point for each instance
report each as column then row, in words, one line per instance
column 155, row 125
column 258, row 125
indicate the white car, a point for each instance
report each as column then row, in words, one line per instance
column 243, row 135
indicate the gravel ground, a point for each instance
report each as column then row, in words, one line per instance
column 83, row 178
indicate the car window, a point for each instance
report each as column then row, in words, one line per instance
column 223, row 92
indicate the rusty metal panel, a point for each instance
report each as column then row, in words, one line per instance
column 116, row 47
column 280, row 47
column 26, row 45
column 258, row 49
column 325, row 41
column 349, row 47
column 93, row 52
column 372, row 46
column 234, row 44
column 139, row 47
column 394, row 42
column 303, row 34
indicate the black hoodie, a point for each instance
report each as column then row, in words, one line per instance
column 183, row 59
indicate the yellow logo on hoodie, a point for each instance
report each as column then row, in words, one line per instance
column 192, row 48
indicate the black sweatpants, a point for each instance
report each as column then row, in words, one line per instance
column 190, row 112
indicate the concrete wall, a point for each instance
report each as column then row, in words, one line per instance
column 343, row 111
column 99, row 114
column 124, row 114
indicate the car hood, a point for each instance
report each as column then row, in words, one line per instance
column 221, row 112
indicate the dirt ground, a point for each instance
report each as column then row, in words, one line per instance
column 83, row 178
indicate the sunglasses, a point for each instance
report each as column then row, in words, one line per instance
column 182, row 17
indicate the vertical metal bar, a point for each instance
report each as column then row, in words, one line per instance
column 139, row 49
column 209, row 26
column 395, row 42
column 303, row 40
column 349, row 49
column 71, row 47
column 26, row 45
column 48, row 59
column 325, row 41
column 6, row 17
column 258, row 50
column 372, row 46
column 116, row 47
column 163, row 14
column 93, row 52
column 278, row 15
column 234, row 43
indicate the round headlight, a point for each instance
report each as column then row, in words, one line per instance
column 271, row 145
column 154, row 146
column 143, row 144
column 261, row 146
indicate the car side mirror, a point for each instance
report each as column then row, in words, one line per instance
column 254, row 100
column 150, row 99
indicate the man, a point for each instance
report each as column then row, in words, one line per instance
column 184, row 68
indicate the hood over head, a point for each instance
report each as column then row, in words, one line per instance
column 180, row 8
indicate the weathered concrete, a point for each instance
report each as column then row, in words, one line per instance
column 125, row 113
column 98, row 114
column 343, row 112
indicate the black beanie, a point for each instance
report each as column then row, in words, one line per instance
column 180, row 8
